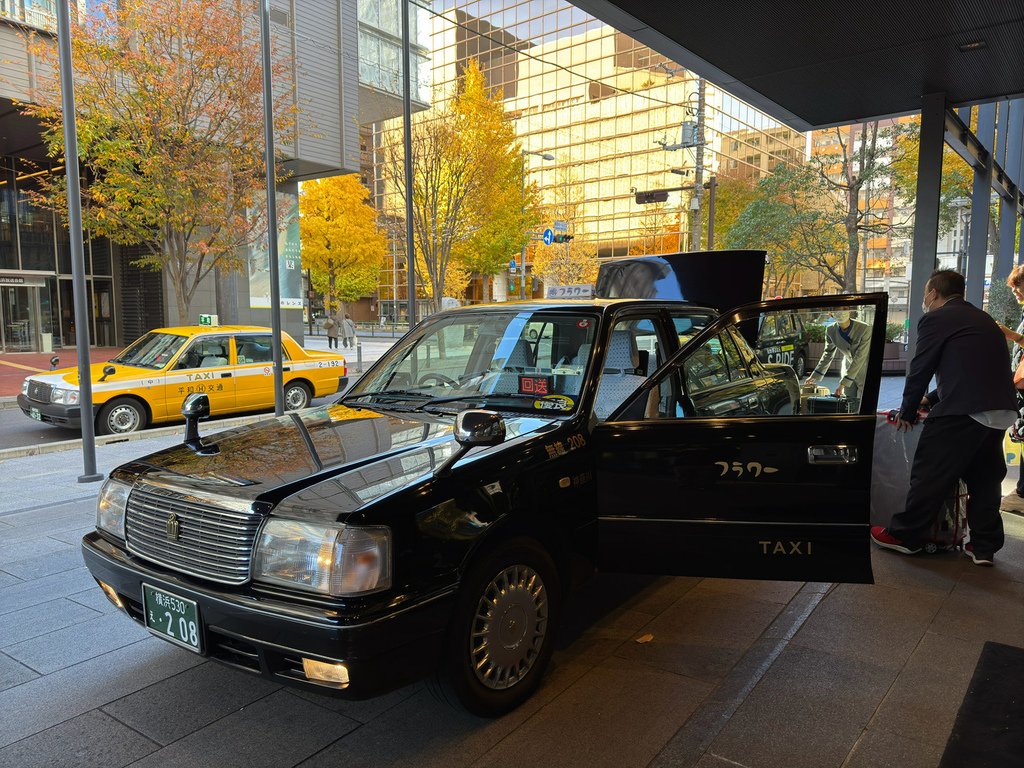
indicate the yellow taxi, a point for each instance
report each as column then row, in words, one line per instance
column 147, row 382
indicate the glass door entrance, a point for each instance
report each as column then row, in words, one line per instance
column 20, row 319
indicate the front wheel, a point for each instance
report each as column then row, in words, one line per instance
column 296, row 396
column 121, row 416
column 800, row 367
column 502, row 633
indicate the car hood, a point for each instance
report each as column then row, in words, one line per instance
column 67, row 378
column 359, row 453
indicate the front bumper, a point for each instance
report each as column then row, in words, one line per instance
column 61, row 415
column 269, row 637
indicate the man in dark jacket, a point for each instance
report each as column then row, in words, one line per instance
column 972, row 406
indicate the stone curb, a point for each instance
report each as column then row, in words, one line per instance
column 6, row 403
column 177, row 429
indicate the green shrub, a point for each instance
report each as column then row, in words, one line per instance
column 815, row 332
column 893, row 331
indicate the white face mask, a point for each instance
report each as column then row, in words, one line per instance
column 842, row 317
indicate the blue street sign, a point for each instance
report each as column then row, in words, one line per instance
column 549, row 237
column 512, row 264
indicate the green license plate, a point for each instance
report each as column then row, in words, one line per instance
column 35, row 414
column 173, row 618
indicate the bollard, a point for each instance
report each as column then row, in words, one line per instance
column 359, row 357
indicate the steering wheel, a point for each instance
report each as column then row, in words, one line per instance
column 440, row 377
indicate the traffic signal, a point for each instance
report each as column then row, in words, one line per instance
column 563, row 238
column 655, row 196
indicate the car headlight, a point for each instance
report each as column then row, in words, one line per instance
column 24, row 387
column 334, row 560
column 64, row 396
column 111, row 505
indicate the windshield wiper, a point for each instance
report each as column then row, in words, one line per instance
column 400, row 394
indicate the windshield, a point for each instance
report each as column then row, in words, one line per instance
column 529, row 361
column 154, row 350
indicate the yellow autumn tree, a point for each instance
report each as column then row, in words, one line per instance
column 342, row 246
column 467, row 197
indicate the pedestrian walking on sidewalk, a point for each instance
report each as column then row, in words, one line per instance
column 348, row 332
column 962, row 438
column 331, row 324
column 1014, row 500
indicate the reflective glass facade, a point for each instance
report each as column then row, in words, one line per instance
column 608, row 109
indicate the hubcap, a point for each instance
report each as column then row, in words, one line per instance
column 509, row 627
column 295, row 398
column 123, row 419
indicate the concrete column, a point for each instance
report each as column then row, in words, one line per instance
column 1013, row 130
column 977, row 243
column 926, row 210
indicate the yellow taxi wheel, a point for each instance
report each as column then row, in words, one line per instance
column 121, row 416
column 296, row 396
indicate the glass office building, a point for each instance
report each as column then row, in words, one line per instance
column 609, row 110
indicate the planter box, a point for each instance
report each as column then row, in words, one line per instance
column 893, row 350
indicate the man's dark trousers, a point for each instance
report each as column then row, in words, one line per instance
column 953, row 448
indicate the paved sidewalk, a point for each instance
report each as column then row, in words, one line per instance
column 736, row 673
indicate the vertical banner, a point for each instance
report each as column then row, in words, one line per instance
column 289, row 262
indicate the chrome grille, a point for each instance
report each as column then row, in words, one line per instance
column 212, row 542
column 39, row 391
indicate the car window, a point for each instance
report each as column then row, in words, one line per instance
column 689, row 325
column 633, row 353
column 783, row 326
column 706, row 367
column 206, row 352
column 737, row 367
column 534, row 361
column 254, row 349
column 154, row 350
column 768, row 329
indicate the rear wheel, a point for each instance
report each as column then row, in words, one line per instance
column 121, row 416
column 502, row 633
column 296, row 396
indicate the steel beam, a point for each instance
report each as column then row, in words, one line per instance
column 926, row 210
column 1012, row 131
column 965, row 143
column 977, row 242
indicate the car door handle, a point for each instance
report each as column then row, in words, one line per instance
column 226, row 375
column 832, row 454
column 286, row 368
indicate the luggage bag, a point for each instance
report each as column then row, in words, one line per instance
column 890, row 482
column 829, row 404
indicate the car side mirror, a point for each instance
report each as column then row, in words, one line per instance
column 474, row 428
column 108, row 370
column 195, row 408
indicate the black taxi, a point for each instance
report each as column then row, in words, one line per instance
column 432, row 521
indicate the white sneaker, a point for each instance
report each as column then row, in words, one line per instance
column 1012, row 503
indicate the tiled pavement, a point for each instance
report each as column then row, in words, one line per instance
column 738, row 673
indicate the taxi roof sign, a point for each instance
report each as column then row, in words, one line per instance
column 211, row 320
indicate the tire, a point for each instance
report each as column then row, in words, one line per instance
column 520, row 581
column 121, row 416
column 800, row 366
column 296, row 396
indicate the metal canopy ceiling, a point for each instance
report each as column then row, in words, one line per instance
column 817, row 63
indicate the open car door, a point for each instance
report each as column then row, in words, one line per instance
column 741, row 472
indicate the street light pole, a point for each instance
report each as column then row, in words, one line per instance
column 67, row 88
column 522, row 254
